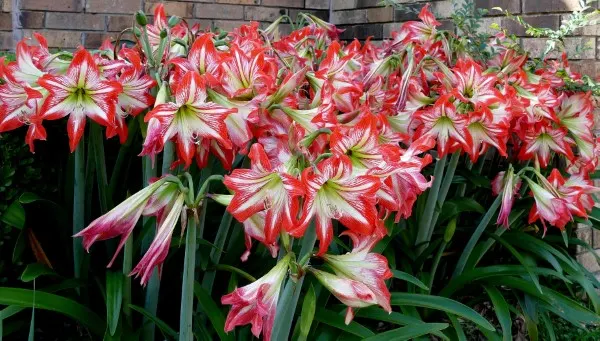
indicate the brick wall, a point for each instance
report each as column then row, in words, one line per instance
column 70, row 23
column 363, row 18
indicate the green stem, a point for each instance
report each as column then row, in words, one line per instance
column 121, row 157
column 78, row 205
column 215, row 253
column 101, row 178
column 436, row 262
column 233, row 269
column 291, row 293
column 187, row 286
column 464, row 257
column 127, row 265
column 168, row 155
column 425, row 219
column 444, row 188
column 204, row 188
column 151, row 300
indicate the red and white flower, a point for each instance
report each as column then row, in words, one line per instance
column 256, row 303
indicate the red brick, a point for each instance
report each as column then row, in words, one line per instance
column 380, row 14
column 59, row 38
column 319, row 14
column 53, row 5
column 32, row 19
column 120, row 22
column 316, row 4
column 343, row 4
column 239, row 2
column 6, row 41
column 358, row 16
column 263, row 13
column 537, row 6
column 513, row 6
column 94, row 39
column 180, row 9
column 283, row 3
column 215, row 11
column 6, row 5
column 368, row 3
column 5, row 22
column 591, row 69
column 204, row 23
column 228, row 25
column 113, row 6
column 79, row 21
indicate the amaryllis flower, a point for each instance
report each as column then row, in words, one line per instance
column 169, row 206
column 332, row 192
column 443, row 123
column 203, row 58
column 360, row 143
column 549, row 207
column 471, row 85
column 507, row 184
column 245, row 76
column 254, row 228
column 541, row 139
column 256, row 303
column 187, row 120
column 360, row 275
column 263, row 187
column 421, row 32
column 402, row 181
column 119, row 221
column 576, row 115
column 80, row 93
column 351, row 292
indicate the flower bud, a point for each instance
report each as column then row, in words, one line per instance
column 450, row 228
column 137, row 32
column 141, row 19
column 174, row 20
column 163, row 34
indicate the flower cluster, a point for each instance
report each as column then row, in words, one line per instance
column 334, row 132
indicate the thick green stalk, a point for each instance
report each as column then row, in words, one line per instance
column 288, row 299
column 151, row 301
column 215, row 254
column 464, row 257
column 187, row 285
column 168, row 155
column 436, row 263
column 444, row 188
column 123, row 151
column 78, row 205
column 427, row 215
column 97, row 143
column 127, row 264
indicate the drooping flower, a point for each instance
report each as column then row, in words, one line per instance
column 264, row 188
column 80, row 93
column 254, row 228
column 360, row 275
column 507, row 184
column 187, row 120
column 256, row 303
column 169, row 207
column 548, row 206
column 119, row 221
column 332, row 192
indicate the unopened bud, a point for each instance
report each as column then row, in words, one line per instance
column 450, row 228
column 163, row 34
column 141, row 19
column 174, row 20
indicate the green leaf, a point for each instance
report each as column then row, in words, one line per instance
column 409, row 332
column 216, row 317
column 14, row 215
column 168, row 332
column 34, row 270
column 464, row 257
column 454, row 207
column 458, row 329
column 333, row 319
column 309, row 305
column 440, row 303
column 549, row 327
column 502, row 311
column 46, row 301
column 19, row 247
column 409, row 278
column 114, row 299
column 376, row 313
